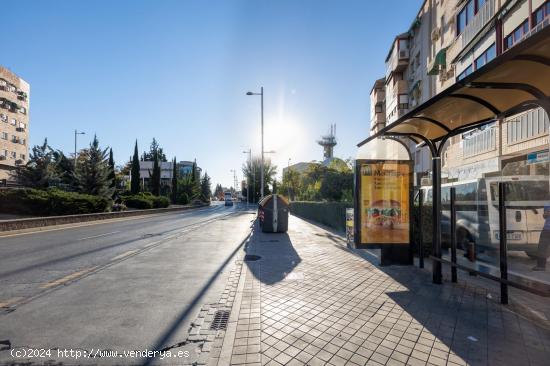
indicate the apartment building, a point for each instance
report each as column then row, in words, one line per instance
column 448, row 40
column 14, row 123
column 378, row 106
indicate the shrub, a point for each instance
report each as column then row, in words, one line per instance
column 119, row 207
column 160, row 202
column 145, row 200
column 138, row 201
column 50, row 202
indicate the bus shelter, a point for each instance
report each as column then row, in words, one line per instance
column 516, row 81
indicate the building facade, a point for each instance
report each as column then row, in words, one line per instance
column 166, row 171
column 14, row 123
column 448, row 40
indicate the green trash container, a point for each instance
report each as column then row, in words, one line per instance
column 273, row 214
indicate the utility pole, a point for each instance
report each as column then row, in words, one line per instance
column 261, row 94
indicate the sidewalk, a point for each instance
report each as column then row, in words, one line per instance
column 310, row 300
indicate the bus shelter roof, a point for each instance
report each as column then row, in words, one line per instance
column 515, row 81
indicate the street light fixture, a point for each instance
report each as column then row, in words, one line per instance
column 261, row 94
column 75, row 135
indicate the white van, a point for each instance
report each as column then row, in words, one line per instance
column 477, row 218
column 228, row 197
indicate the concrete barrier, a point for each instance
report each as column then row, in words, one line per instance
column 34, row 222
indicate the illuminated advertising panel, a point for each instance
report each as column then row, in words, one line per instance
column 384, row 202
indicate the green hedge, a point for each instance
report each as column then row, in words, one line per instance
column 145, row 201
column 331, row 214
column 51, row 202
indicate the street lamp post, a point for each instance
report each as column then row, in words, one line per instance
column 75, row 134
column 261, row 94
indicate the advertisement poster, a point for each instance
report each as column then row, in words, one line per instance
column 385, row 202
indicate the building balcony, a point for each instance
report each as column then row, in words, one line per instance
column 379, row 98
column 378, row 118
column 398, row 59
column 483, row 16
column 401, row 87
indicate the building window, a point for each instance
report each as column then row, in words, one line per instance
column 22, row 125
column 22, row 156
column 23, row 141
column 13, row 154
column 403, row 101
column 528, row 125
column 13, row 122
column 23, row 110
column 465, row 73
column 487, row 56
column 378, row 109
column 516, row 35
column 480, row 142
column 467, row 14
column 541, row 13
column 4, row 135
column 3, row 117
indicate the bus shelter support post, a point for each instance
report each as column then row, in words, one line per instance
column 453, row 235
column 436, row 223
column 503, row 244
column 421, row 236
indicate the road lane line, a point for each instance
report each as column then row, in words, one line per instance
column 99, row 236
column 67, row 278
column 130, row 252
column 7, row 303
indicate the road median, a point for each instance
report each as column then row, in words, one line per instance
column 39, row 222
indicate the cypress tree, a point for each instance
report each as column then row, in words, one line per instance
column 194, row 172
column 206, row 191
column 134, row 177
column 112, row 169
column 155, row 176
column 174, row 181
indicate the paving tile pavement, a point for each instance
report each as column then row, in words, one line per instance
column 310, row 300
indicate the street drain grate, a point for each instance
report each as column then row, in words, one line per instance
column 221, row 317
column 251, row 257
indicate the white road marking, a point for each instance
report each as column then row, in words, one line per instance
column 99, row 236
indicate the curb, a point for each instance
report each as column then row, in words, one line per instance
column 11, row 226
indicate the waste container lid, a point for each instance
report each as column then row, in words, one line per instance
column 268, row 198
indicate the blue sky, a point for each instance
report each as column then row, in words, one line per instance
column 179, row 71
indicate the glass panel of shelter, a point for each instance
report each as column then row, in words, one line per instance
column 525, row 173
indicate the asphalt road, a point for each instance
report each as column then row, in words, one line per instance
column 124, row 285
